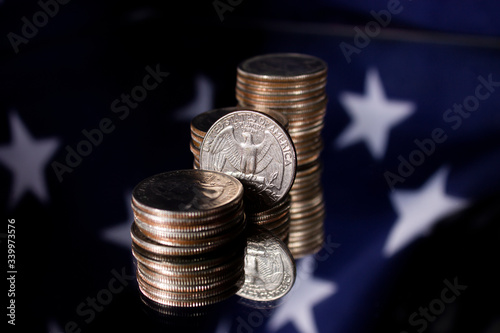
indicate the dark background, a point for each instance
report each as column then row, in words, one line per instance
column 71, row 241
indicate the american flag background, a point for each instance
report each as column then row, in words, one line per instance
column 97, row 95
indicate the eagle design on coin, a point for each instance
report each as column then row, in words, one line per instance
column 248, row 157
column 254, row 148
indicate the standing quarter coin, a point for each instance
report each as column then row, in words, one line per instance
column 254, row 148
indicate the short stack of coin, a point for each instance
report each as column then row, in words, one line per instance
column 187, row 237
column 294, row 85
column 269, row 268
column 202, row 123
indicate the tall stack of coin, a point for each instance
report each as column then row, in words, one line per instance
column 294, row 85
column 255, row 148
column 202, row 123
column 187, row 237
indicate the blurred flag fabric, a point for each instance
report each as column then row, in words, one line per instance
column 96, row 96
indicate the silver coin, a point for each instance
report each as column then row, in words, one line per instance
column 191, row 269
column 150, row 245
column 211, row 283
column 191, row 225
column 254, row 148
column 258, row 82
column 279, row 97
column 278, row 208
column 288, row 89
column 168, row 299
column 282, row 66
column 202, row 122
column 186, row 193
column 269, row 268
column 203, row 241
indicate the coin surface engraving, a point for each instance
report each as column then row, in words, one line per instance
column 269, row 268
column 294, row 85
column 187, row 237
column 254, row 148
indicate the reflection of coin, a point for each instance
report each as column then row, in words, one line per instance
column 269, row 267
column 187, row 237
column 254, row 148
column 202, row 122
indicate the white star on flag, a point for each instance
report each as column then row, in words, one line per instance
column 419, row 210
column 203, row 101
column 299, row 304
column 53, row 327
column 372, row 116
column 27, row 157
column 120, row 233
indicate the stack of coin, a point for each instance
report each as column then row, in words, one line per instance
column 269, row 267
column 202, row 123
column 187, row 237
column 294, row 85
column 307, row 212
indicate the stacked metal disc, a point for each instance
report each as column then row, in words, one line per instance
column 294, row 85
column 188, row 237
column 307, row 212
column 275, row 219
column 199, row 128
column 202, row 123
